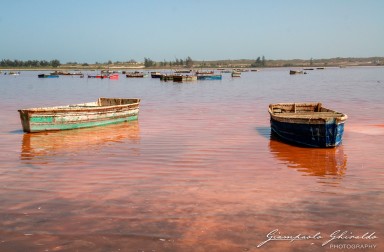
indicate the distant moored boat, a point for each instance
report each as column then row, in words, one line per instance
column 236, row 74
column 208, row 75
column 102, row 76
column 295, row 72
column 48, row 76
column 135, row 74
column 156, row 74
column 166, row 77
column 184, row 78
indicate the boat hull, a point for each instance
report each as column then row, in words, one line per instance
column 136, row 75
column 165, row 77
column 327, row 134
column 291, row 72
column 98, row 76
column 308, row 124
column 105, row 111
column 209, row 77
column 48, row 76
column 156, row 75
column 184, row 78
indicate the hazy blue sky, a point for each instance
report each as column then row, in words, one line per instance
column 120, row 30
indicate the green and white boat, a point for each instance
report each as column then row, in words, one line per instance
column 102, row 112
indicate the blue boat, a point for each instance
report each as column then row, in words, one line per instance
column 209, row 76
column 307, row 124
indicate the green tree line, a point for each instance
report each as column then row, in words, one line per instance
column 259, row 62
column 29, row 63
column 188, row 62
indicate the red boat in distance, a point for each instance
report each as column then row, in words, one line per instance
column 114, row 77
column 105, row 76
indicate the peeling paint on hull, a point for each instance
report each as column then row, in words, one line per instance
column 312, row 135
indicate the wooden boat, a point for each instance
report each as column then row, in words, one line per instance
column 135, row 75
column 105, row 76
column 98, row 76
column 184, row 78
column 102, row 112
column 156, row 75
column 295, row 72
column 48, row 76
column 204, row 72
column 166, row 77
column 114, row 76
column 307, row 124
column 209, row 76
column 240, row 70
column 183, row 71
column 236, row 74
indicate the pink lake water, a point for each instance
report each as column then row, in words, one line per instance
column 198, row 171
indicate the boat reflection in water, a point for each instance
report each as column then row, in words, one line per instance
column 45, row 144
column 312, row 161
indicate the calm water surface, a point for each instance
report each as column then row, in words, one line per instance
column 198, row 171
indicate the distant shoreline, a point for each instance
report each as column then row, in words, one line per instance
column 164, row 68
column 225, row 64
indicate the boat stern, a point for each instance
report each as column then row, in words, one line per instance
column 334, row 131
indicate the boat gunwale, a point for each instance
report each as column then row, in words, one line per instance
column 82, row 107
column 309, row 116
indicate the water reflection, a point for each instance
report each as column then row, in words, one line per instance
column 264, row 131
column 312, row 161
column 45, row 144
